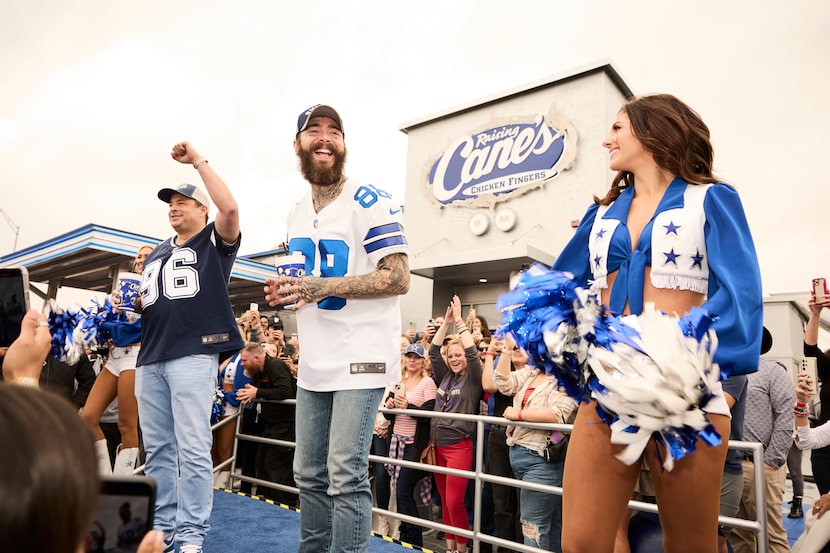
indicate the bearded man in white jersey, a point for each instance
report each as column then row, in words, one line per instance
column 348, row 319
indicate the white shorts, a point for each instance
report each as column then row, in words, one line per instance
column 717, row 405
column 230, row 410
column 122, row 359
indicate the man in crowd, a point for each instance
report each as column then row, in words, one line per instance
column 271, row 380
column 769, row 420
column 348, row 320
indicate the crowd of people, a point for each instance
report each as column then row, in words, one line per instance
column 195, row 362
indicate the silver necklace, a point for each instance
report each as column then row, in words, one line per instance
column 320, row 204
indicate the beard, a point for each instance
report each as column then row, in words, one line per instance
column 318, row 174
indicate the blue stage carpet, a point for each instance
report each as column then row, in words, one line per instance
column 243, row 523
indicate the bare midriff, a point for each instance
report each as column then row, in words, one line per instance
column 669, row 300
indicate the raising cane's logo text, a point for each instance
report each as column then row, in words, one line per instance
column 497, row 161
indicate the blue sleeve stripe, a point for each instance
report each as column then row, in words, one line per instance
column 395, row 240
column 383, row 229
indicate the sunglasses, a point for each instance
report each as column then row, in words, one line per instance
column 482, row 349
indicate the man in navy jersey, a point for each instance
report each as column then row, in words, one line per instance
column 349, row 326
column 188, row 327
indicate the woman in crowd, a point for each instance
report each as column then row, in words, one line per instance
column 459, row 391
column 505, row 498
column 417, row 391
column 670, row 234
column 49, row 485
column 117, row 380
column 819, row 457
column 478, row 327
column 251, row 327
column 380, row 446
column 536, row 398
column 232, row 377
column 817, row 537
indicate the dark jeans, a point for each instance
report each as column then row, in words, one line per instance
column 276, row 464
column 794, row 458
column 405, row 495
column 383, row 489
column 246, row 450
column 505, row 498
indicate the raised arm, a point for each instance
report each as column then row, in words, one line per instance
column 227, row 218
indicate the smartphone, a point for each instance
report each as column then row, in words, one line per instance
column 14, row 302
column 123, row 515
column 808, row 365
column 253, row 307
column 399, row 389
column 820, row 291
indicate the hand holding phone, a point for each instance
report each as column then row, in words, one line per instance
column 820, row 292
column 808, row 366
column 14, row 299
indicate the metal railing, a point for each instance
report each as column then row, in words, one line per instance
column 480, row 477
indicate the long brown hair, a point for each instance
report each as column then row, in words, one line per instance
column 674, row 134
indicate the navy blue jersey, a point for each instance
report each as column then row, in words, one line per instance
column 185, row 305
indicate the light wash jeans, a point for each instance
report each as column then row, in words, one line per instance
column 174, row 403
column 331, row 467
column 541, row 511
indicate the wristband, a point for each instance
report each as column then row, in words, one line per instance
column 26, row 382
column 199, row 162
column 520, row 415
column 489, row 354
column 800, row 405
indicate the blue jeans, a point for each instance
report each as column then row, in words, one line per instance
column 405, row 494
column 541, row 511
column 175, row 398
column 331, row 467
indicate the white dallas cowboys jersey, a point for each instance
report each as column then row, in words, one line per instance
column 348, row 344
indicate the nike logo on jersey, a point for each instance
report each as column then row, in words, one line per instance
column 395, row 211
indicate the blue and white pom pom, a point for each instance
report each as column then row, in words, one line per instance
column 650, row 375
column 74, row 332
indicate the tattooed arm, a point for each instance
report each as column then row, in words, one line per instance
column 390, row 279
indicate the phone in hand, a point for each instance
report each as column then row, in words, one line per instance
column 14, row 302
column 399, row 389
column 820, row 291
column 124, row 513
column 808, row 365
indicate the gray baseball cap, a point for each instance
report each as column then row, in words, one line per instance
column 189, row 190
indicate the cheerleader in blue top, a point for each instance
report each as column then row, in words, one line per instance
column 670, row 234
column 117, row 381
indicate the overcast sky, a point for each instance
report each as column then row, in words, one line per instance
column 95, row 93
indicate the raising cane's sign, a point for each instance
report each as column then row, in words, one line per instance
column 490, row 165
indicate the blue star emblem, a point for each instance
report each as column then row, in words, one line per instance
column 597, row 260
column 698, row 260
column 671, row 257
column 671, row 228
column 601, row 233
